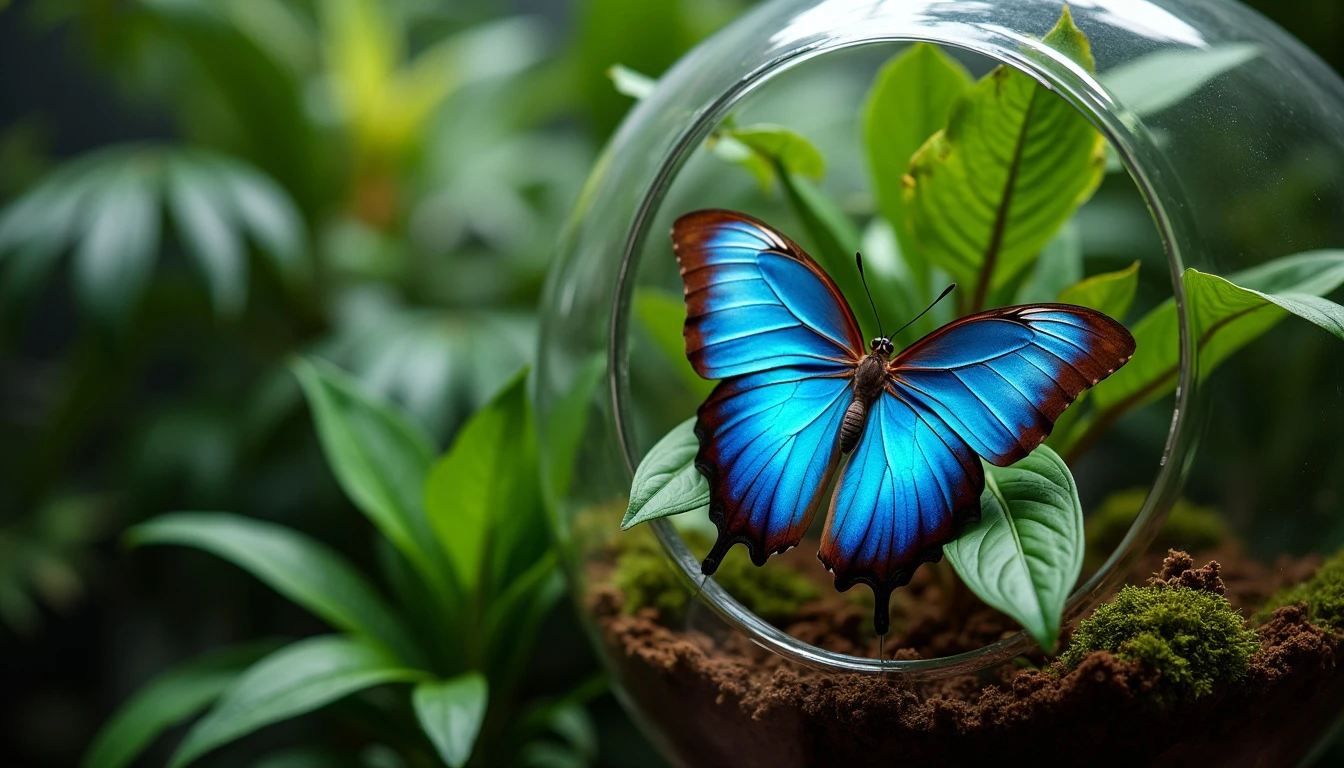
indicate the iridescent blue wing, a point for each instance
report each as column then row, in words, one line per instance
column 768, row 445
column 991, row 384
column 907, row 488
column 765, row 318
column 1001, row 378
column 756, row 301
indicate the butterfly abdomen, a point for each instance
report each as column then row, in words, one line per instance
column 869, row 379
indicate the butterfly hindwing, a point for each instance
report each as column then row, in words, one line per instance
column 768, row 447
column 755, row 300
column 907, row 488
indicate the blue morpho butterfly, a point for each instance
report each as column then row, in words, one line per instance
column 798, row 393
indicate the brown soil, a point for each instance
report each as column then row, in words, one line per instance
column 721, row 701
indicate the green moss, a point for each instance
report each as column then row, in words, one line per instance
column 1193, row 638
column 1323, row 594
column 1189, row 526
column 646, row 578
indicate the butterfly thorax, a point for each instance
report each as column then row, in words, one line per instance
column 870, row 377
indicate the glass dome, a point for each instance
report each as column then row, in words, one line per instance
column 1225, row 156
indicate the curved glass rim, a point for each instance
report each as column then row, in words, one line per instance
column 1094, row 103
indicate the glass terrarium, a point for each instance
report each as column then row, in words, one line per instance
column 1201, row 219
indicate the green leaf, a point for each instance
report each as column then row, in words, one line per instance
column 169, row 699
column 116, row 255
column 568, row 422
column 1059, row 266
column 1110, row 293
column 1025, row 553
column 766, row 151
column 294, row 680
column 381, row 461
column 785, row 148
column 663, row 315
column 667, row 482
column 486, row 480
column 988, row 192
column 1159, row 80
column 1228, row 314
column 628, row 82
column 910, row 101
column 305, row 571
column 198, row 208
column 450, row 713
column 268, row 215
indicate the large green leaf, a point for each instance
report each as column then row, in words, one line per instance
column 298, row 567
column 1025, row 553
column 1110, row 292
column 988, row 192
column 484, row 486
column 450, row 713
column 381, row 461
column 666, row 481
column 1228, row 314
column 169, row 699
column 120, row 244
column 296, row 679
column 909, row 102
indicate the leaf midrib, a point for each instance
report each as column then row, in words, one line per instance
column 1019, row 552
column 1001, row 216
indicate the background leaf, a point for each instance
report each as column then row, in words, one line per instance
column 1229, row 313
column 165, row 701
column 972, row 212
column 114, row 259
column 1059, row 266
column 451, row 713
column 628, row 82
column 1025, row 553
column 1164, row 78
column 380, row 460
column 305, row 571
column 1110, row 292
column 663, row 315
column 666, row 481
column 488, row 476
column 296, row 679
column 199, row 210
column 910, row 101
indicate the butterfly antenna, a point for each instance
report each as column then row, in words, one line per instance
column 858, row 259
column 941, row 296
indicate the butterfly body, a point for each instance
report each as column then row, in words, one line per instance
column 800, row 402
column 870, row 378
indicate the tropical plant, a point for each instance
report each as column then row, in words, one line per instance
column 470, row 587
